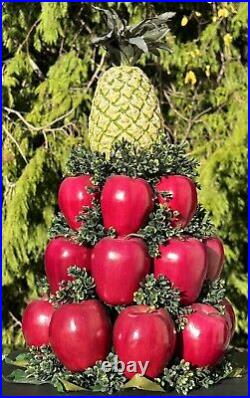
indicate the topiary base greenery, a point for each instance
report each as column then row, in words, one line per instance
column 40, row 365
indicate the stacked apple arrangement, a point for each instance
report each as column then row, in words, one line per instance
column 82, row 333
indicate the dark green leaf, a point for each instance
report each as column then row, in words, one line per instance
column 21, row 360
column 140, row 43
column 20, row 376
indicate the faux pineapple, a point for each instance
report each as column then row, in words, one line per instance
column 125, row 104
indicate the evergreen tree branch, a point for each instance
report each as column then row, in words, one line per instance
column 15, row 142
column 35, row 128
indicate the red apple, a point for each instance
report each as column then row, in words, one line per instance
column 80, row 334
column 183, row 262
column 35, row 323
column 184, row 197
column 126, row 203
column 142, row 333
column 205, row 337
column 60, row 255
column 73, row 198
column 215, row 257
column 230, row 316
column 118, row 265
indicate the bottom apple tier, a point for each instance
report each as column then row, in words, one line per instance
column 234, row 384
column 156, row 344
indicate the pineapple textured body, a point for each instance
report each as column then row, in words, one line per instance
column 125, row 105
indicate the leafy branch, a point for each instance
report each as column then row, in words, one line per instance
column 84, row 161
column 59, row 227
column 41, row 366
column 93, row 230
column 183, row 378
column 200, row 226
column 214, row 292
column 47, row 127
column 89, row 233
column 181, row 319
column 97, row 379
column 159, row 229
column 163, row 158
column 158, row 292
column 82, row 287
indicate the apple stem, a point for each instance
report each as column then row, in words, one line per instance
column 151, row 309
column 134, row 236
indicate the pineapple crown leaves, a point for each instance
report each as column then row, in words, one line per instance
column 127, row 43
column 158, row 293
column 82, row 287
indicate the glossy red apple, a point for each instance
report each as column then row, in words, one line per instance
column 35, row 323
column 144, row 334
column 118, row 265
column 60, row 255
column 184, row 197
column 73, row 198
column 215, row 257
column 183, row 262
column 205, row 337
column 80, row 334
column 126, row 203
column 230, row 316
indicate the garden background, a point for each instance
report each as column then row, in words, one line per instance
column 50, row 69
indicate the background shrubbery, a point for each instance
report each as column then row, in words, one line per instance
column 49, row 77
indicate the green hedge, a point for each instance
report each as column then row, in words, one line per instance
column 50, row 70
